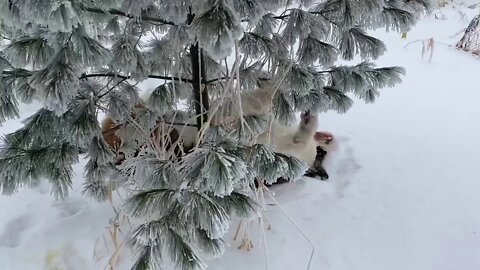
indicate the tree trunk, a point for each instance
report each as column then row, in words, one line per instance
column 198, row 79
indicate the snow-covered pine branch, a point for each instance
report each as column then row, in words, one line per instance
column 82, row 58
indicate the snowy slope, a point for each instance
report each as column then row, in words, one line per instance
column 404, row 191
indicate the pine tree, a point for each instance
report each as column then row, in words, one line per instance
column 82, row 57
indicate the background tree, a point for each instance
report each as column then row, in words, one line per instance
column 469, row 40
column 79, row 58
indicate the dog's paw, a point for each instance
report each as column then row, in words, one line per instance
column 323, row 174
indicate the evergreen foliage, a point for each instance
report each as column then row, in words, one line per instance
column 79, row 58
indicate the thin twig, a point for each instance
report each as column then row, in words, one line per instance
column 111, row 89
column 294, row 224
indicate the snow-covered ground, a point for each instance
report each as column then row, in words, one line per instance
column 403, row 193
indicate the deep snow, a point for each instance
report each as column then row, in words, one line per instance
column 403, row 193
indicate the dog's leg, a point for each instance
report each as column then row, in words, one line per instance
column 317, row 168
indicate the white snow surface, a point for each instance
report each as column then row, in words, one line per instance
column 403, row 193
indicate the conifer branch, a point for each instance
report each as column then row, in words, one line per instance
column 323, row 16
column 4, row 37
column 111, row 88
column 85, row 76
column 169, row 78
column 116, row 127
column 283, row 17
column 130, row 16
column 216, row 80
column 14, row 73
